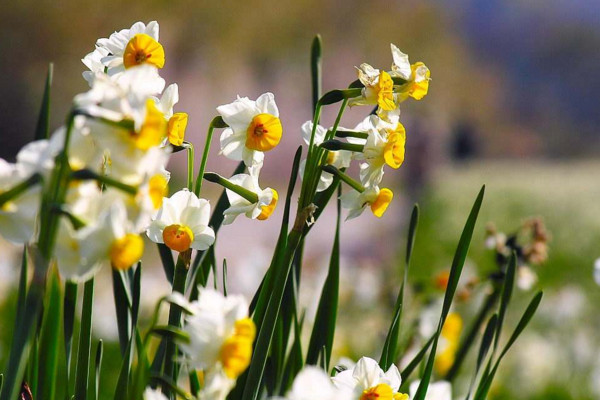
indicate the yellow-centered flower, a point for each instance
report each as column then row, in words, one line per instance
column 367, row 381
column 126, row 251
column 176, row 128
column 381, row 202
column 236, row 351
column 385, row 92
column 377, row 199
column 158, row 188
column 393, row 152
column 178, row 237
column 266, row 199
column 264, row 132
column 153, row 129
column 142, row 49
column 267, row 210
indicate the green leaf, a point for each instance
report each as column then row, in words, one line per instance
column 325, row 320
column 294, row 361
column 42, row 129
column 69, row 320
column 123, row 306
column 390, row 346
column 414, row 363
column 49, row 338
column 486, row 379
column 97, row 368
column 509, row 282
column 455, row 272
column 22, row 297
column 486, row 342
column 225, row 277
column 85, row 342
column 166, row 258
column 171, row 384
column 316, row 52
column 338, row 95
column 171, row 333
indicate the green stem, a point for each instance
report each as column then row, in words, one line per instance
column 345, row 178
column 245, row 193
column 86, row 174
column 20, row 188
column 217, row 122
column 336, row 145
column 85, row 342
column 354, row 134
column 190, row 165
column 181, row 269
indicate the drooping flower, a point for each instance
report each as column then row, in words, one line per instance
column 182, row 223
column 377, row 199
column 221, row 333
column 378, row 88
column 132, row 47
column 261, row 209
column 339, row 159
column 176, row 122
column 254, row 127
column 383, row 146
column 440, row 390
column 417, row 76
column 367, row 381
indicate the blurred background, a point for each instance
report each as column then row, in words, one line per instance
column 512, row 104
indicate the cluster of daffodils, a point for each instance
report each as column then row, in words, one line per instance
column 530, row 244
column 377, row 141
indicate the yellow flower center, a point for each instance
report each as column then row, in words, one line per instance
column 178, row 237
column 267, row 210
column 452, row 327
column 451, row 333
column 264, row 132
column 419, row 88
column 153, row 129
column 332, row 156
column 176, row 128
column 383, row 391
column 393, row 153
column 158, row 189
column 236, row 351
column 385, row 92
column 142, row 49
column 126, row 251
column 381, row 203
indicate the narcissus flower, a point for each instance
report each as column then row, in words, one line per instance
column 339, row 159
column 132, row 47
column 378, row 88
column 261, row 209
column 417, row 76
column 176, row 122
column 254, row 127
column 441, row 390
column 18, row 215
column 154, row 394
column 367, row 381
column 221, row 333
column 182, row 223
column 313, row 383
column 383, row 146
column 377, row 199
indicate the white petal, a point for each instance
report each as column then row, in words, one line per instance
column 266, row 104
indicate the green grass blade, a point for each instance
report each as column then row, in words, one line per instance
column 70, row 303
column 294, row 362
column 390, row 346
column 135, row 294
column 49, row 338
column 97, row 369
column 486, row 342
column 455, row 272
column 316, row 52
column 123, row 304
column 166, row 258
column 414, row 363
column 42, row 129
column 22, row 296
column 85, row 342
column 325, row 320
column 507, row 289
column 225, row 277
column 486, row 380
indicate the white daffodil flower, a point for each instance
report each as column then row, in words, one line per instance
column 217, row 385
column 221, row 334
column 111, row 239
column 176, row 122
column 128, row 48
column 254, row 127
column 154, row 394
column 417, row 76
column 18, row 215
column 261, row 210
column 384, row 145
column 377, row 199
column 368, row 381
column 182, row 223
column 339, row 159
column 93, row 61
column 67, row 252
column 441, row 390
column 313, row 383
column 378, row 88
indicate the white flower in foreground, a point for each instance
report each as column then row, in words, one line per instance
column 221, row 333
column 254, row 127
column 383, row 146
column 217, row 385
column 18, row 215
column 367, row 381
column 130, row 47
column 313, row 383
column 262, row 209
column 417, row 76
column 182, row 223
column 154, row 394
column 441, row 390
column 339, row 159
column 377, row 199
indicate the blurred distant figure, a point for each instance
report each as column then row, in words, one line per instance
column 464, row 142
